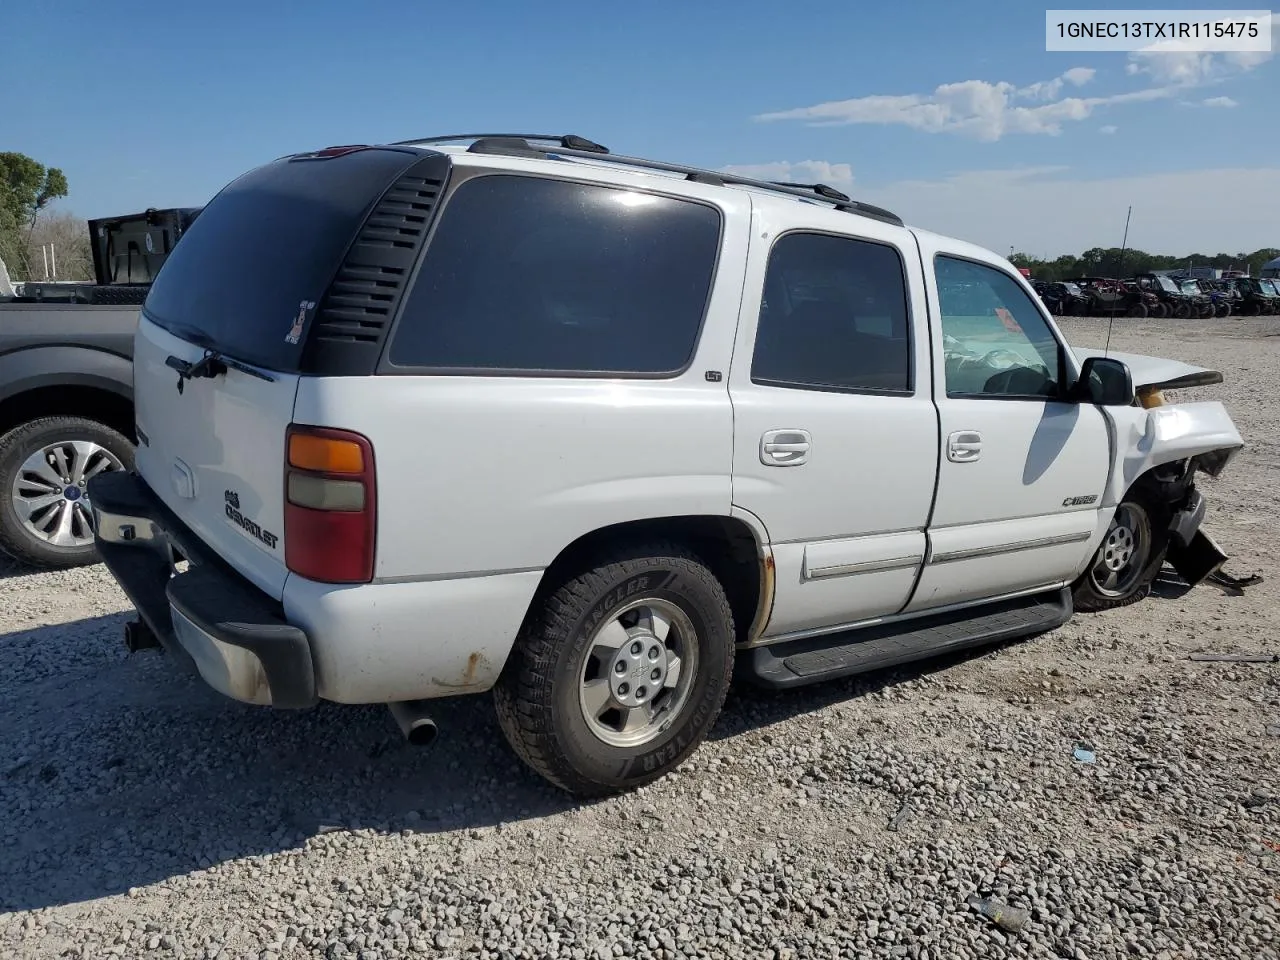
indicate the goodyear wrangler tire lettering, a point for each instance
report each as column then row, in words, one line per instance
column 539, row 697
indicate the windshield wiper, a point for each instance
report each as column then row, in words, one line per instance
column 212, row 364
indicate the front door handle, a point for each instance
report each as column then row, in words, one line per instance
column 785, row 448
column 964, row 446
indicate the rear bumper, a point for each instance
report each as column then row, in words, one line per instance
column 209, row 617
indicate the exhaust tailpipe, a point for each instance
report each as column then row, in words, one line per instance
column 138, row 636
column 411, row 716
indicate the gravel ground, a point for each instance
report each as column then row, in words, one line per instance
column 143, row 815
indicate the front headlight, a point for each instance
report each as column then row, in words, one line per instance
column 1214, row 462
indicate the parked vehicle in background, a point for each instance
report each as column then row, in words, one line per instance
column 1220, row 299
column 1174, row 301
column 1271, row 287
column 593, row 432
column 66, row 387
column 1233, row 297
column 1064, row 298
column 1114, row 298
column 1255, row 299
column 1201, row 302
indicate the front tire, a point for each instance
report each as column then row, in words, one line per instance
column 1127, row 561
column 619, row 671
column 45, row 515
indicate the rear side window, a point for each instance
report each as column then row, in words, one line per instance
column 834, row 316
column 268, row 243
column 532, row 275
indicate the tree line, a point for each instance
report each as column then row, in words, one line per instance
column 1118, row 263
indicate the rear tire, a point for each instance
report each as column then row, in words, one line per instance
column 41, row 523
column 572, row 680
column 1138, row 311
column 1126, row 563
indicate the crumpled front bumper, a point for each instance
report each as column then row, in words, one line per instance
column 209, row 617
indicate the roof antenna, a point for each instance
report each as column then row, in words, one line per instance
column 1119, row 270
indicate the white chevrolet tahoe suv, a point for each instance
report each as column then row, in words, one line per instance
column 593, row 432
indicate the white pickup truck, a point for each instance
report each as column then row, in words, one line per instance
column 515, row 414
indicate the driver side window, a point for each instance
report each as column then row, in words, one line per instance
column 995, row 342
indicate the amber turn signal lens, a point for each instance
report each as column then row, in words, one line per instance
column 324, row 455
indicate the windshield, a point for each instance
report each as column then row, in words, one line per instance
column 1167, row 285
column 1269, row 286
column 1190, row 286
column 1073, row 289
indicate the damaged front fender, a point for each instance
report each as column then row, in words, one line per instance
column 1195, row 436
column 1153, row 434
column 1201, row 432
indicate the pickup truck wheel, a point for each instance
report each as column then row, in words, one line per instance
column 45, row 516
column 1126, row 563
column 620, row 672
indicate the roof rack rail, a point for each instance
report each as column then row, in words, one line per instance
column 821, row 189
column 811, row 192
column 569, row 145
column 568, row 141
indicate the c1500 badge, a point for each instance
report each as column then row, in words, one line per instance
column 1079, row 501
column 240, row 520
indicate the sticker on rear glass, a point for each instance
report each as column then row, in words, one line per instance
column 295, row 332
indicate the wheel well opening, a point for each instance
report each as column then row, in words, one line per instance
column 107, row 408
column 725, row 544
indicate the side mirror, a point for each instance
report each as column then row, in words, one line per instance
column 1104, row 381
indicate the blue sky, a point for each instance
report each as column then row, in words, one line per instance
column 952, row 114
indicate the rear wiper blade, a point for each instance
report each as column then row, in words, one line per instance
column 243, row 367
column 212, row 364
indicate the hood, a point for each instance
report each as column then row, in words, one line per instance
column 1156, row 372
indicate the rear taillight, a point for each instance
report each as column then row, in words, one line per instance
column 330, row 505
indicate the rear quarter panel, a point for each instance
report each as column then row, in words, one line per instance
column 482, row 475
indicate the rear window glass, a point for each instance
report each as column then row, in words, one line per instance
column 538, row 275
column 267, row 243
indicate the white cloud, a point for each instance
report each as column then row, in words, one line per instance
column 1108, row 129
column 1041, row 90
column 1049, row 89
column 1220, row 102
column 838, row 175
column 975, row 108
column 997, row 208
column 989, row 111
column 1168, row 62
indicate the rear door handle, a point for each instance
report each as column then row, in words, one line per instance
column 964, row 446
column 785, row 448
